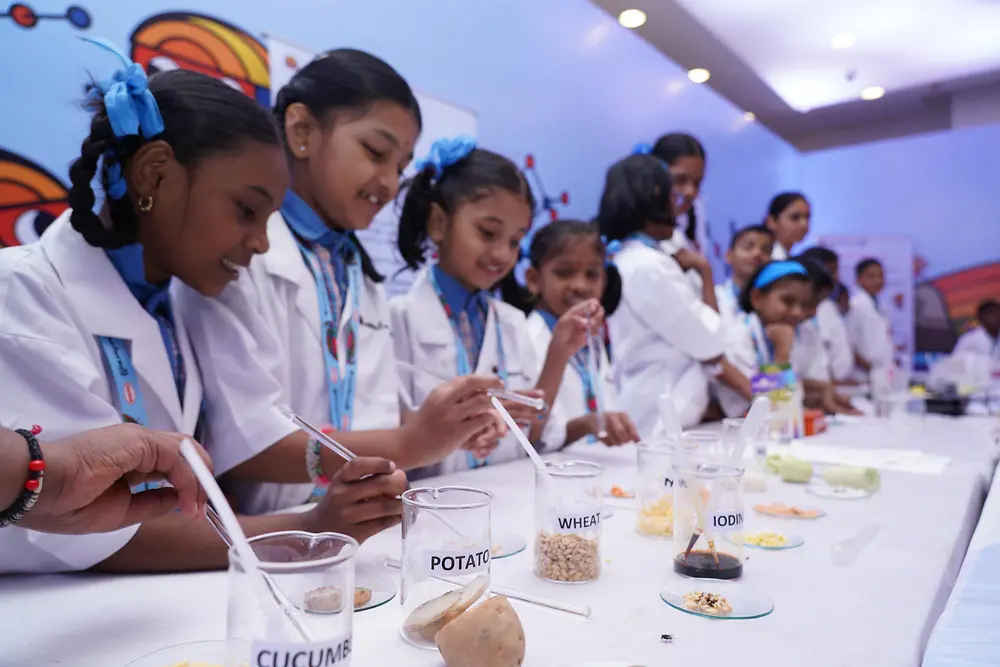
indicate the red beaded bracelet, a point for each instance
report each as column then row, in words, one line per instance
column 33, row 485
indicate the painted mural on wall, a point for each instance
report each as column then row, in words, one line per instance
column 946, row 304
column 25, row 16
column 31, row 197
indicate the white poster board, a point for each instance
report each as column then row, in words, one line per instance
column 440, row 119
column 897, row 299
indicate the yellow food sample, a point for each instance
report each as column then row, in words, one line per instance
column 656, row 518
column 771, row 540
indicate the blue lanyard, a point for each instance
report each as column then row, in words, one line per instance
column 645, row 239
column 464, row 362
column 593, row 394
column 341, row 385
column 764, row 349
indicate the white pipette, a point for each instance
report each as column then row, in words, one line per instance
column 258, row 578
column 594, row 370
column 513, row 397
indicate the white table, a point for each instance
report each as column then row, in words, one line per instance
column 878, row 611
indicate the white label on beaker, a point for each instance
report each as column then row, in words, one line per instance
column 727, row 522
column 287, row 654
column 577, row 522
column 453, row 562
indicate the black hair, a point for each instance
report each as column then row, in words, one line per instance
column 746, row 306
column 749, row 229
column 670, row 148
column 474, row 176
column 818, row 275
column 865, row 264
column 838, row 290
column 202, row 116
column 636, row 191
column 984, row 306
column 782, row 201
column 345, row 80
column 549, row 241
column 821, row 254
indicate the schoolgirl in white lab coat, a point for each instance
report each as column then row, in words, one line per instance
column 749, row 250
column 867, row 326
column 664, row 337
column 983, row 342
column 475, row 207
column 832, row 327
column 90, row 331
column 307, row 325
column 568, row 266
column 764, row 336
column 788, row 217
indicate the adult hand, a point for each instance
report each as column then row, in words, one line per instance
column 570, row 333
column 88, row 478
column 618, row 429
column 362, row 499
column 453, row 413
column 689, row 259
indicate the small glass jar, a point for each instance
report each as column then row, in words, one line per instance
column 780, row 427
column 315, row 574
column 702, row 445
column 568, row 522
column 446, row 547
column 708, row 521
column 654, row 493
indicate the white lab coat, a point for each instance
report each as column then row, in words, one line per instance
column 680, row 240
column 661, row 334
column 56, row 297
column 570, row 400
column 978, row 343
column 869, row 332
column 836, row 341
column 424, row 338
column 779, row 252
column 729, row 306
column 260, row 348
column 809, row 358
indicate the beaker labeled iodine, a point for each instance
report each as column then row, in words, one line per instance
column 708, row 521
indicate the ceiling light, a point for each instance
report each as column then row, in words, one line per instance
column 844, row 40
column 872, row 92
column 632, row 18
column 699, row 74
column 749, row 116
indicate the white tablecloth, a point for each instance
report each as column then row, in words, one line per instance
column 878, row 611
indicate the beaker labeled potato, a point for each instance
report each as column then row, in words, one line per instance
column 708, row 521
column 446, row 558
column 568, row 522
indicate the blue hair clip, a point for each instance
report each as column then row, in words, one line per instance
column 777, row 270
column 131, row 109
column 446, row 152
column 642, row 149
column 611, row 248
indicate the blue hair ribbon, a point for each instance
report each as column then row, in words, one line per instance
column 777, row 270
column 446, row 152
column 642, row 148
column 131, row 110
column 611, row 248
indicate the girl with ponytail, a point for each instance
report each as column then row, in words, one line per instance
column 474, row 207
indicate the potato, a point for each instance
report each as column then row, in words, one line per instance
column 426, row 620
column 488, row 635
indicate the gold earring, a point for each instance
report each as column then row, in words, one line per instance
column 146, row 204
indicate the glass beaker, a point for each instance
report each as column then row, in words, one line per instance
column 702, row 445
column 315, row 574
column 654, row 493
column 732, row 427
column 780, row 427
column 568, row 521
column 446, row 558
column 708, row 521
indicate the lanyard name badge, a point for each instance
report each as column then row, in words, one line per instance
column 593, row 392
column 342, row 378
column 131, row 407
column 464, row 362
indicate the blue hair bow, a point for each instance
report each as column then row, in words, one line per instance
column 777, row 270
column 642, row 149
column 611, row 248
column 131, row 109
column 446, row 152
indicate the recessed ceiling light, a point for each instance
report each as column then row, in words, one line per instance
column 872, row 92
column 699, row 74
column 749, row 116
column 632, row 18
column 844, row 40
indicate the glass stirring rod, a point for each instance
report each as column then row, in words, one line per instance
column 596, row 381
column 535, row 403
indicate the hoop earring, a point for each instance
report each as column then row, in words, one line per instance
column 146, row 204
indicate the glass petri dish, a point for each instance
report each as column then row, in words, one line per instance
column 382, row 591
column 197, row 654
column 791, row 542
column 508, row 545
column 747, row 603
column 819, row 487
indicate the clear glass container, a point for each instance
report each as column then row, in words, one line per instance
column 703, row 445
column 314, row 573
column 654, row 493
column 780, row 427
column 708, row 521
column 568, row 522
column 731, row 429
column 446, row 558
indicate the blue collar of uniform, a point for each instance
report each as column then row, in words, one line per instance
column 548, row 317
column 127, row 260
column 308, row 226
column 456, row 295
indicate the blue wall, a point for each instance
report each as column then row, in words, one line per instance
column 555, row 78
